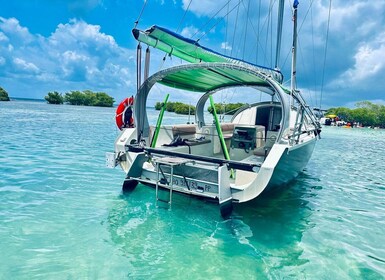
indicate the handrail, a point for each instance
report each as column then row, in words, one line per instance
column 230, row 163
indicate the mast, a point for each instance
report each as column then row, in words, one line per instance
column 294, row 48
column 279, row 32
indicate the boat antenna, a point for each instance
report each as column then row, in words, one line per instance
column 279, row 32
column 294, row 48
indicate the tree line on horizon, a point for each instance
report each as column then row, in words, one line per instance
column 85, row 98
column 366, row 113
column 185, row 109
column 176, row 107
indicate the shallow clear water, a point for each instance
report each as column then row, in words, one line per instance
column 63, row 216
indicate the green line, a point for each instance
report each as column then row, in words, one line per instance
column 159, row 122
column 219, row 129
column 220, row 134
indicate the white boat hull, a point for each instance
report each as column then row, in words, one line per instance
column 282, row 165
column 292, row 162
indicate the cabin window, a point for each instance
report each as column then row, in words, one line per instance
column 270, row 117
column 276, row 118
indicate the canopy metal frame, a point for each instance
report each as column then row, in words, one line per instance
column 269, row 85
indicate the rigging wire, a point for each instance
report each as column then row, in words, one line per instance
column 255, row 32
column 289, row 50
column 304, row 66
column 225, row 47
column 218, row 21
column 326, row 48
column 247, row 21
column 259, row 16
column 271, row 37
column 267, row 28
column 232, row 44
column 235, row 28
column 207, row 22
column 279, row 33
column 299, row 29
column 309, row 10
column 179, row 25
column 306, row 14
column 181, row 20
column 313, row 54
column 227, row 27
column 141, row 12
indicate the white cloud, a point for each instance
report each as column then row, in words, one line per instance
column 11, row 27
column 226, row 46
column 79, row 32
column 75, row 65
column 3, row 37
column 353, row 18
column 76, row 56
column 369, row 60
column 24, row 66
column 189, row 31
column 205, row 7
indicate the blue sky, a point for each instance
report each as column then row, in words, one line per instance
column 64, row 45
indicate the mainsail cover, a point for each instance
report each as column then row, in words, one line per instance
column 191, row 51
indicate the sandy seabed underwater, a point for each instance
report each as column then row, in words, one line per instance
column 63, row 215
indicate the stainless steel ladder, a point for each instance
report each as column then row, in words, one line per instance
column 171, row 162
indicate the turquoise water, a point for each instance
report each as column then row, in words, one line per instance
column 63, row 216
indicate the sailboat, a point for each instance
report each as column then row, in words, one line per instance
column 264, row 146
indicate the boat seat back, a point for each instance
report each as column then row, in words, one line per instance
column 271, row 138
column 210, row 132
column 184, row 130
column 169, row 132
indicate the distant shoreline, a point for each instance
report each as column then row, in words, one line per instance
column 45, row 101
column 26, row 99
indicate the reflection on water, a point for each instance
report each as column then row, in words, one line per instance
column 264, row 233
column 62, row 214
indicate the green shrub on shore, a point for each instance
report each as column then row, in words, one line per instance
column 366, row 113
column 227, row 109
column 176, row 107
column 85, row 98
column 181, row 108
column 54, row 98
column 4, row 95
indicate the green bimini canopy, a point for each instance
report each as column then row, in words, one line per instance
column 211, row 78
column 205, row 79
column 191, row 51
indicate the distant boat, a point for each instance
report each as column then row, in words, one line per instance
column 264, row 146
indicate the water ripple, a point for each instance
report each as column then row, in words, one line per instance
column 62, row 214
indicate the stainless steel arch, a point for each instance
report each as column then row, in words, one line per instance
column 140, row 111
